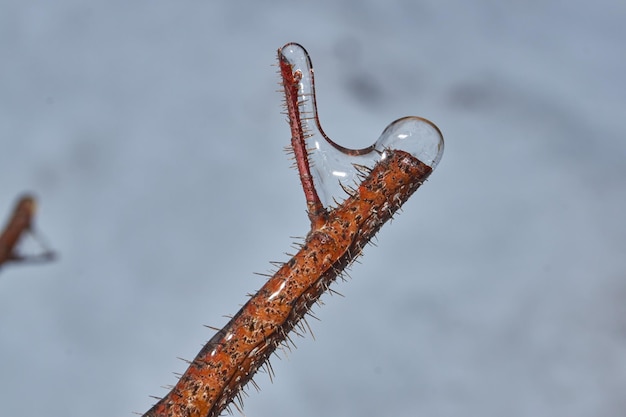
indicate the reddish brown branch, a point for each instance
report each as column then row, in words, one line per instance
column 290, row 80
column 337, row 237
column 19, row 224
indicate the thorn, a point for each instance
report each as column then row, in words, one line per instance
column 297, row 246
column 333, row 292
column 313, row 316
column 255, row 385
column 270, row 370
column 306, row 323
column 347, row 189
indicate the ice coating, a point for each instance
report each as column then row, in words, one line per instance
column 415, row 135
column 332, row 165
column 388, row 173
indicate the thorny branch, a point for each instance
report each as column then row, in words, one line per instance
column 337, row 237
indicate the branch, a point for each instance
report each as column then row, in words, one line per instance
column 389, row 172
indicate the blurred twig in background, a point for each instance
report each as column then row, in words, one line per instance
column 20, row 223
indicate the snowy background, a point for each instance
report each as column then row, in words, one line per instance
column 152, row 134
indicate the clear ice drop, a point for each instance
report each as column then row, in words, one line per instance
column 332, row 165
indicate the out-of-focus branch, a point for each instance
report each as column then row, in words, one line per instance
column 19, row 224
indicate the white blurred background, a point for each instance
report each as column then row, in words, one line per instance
column 151, row 132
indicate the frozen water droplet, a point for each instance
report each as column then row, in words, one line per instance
column 332, row 165
column 415, row 135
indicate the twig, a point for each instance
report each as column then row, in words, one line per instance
column 19, row 224
column 337, row 237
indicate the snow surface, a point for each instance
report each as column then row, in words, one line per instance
column 151, row 133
